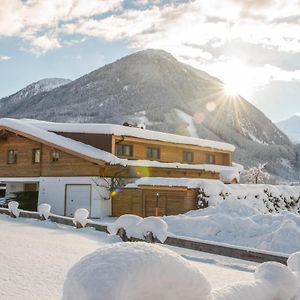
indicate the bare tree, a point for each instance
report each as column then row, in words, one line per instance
column 257, row 174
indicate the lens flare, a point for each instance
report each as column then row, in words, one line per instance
column 199, row 117
column 211, row 106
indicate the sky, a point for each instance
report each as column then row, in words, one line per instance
column 252, row 45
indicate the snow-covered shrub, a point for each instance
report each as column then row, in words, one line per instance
column 137, row 227
column 80, row 217
column 127, row 222
column 154, row 225
column 265, row 198
column 272, row 281
column 135, row 271
column 44, row 210
column 13, row 209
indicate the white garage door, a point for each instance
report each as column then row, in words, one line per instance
column 77, row 196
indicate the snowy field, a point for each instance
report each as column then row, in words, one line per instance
column 35, row 257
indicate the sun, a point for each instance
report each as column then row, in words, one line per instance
column 230, row 90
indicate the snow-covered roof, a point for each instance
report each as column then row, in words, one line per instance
column 192, row 183
column 30, row 129
column 120, row 130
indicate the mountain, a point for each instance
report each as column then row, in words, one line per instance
column 11, row 103
column 154, row 88
column 291, row 127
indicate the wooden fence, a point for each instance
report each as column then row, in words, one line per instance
column 208, row 247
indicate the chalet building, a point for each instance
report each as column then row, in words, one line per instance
column 85, row 165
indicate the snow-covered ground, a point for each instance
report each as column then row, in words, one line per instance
column 234, row 222
column 35, row 257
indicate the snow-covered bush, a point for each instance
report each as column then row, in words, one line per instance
column 44, row 210
column 127, row 222
column 154, row 225
column 137, row 227
column 80, row 217
column 135, row 271
column 272, row 281
column 13, row 209
column 265, row 198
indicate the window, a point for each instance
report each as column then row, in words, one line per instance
column 55, row 156
column 153, row 152
column 11, row 156
column 187, row 156
column 210, row 159
column 124, row 150
column 36, row 156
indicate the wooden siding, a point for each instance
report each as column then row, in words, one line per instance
column 173, row 152
column 68, row 165
column 100, row 141
column 142, row 201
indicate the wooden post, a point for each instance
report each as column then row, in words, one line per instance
column 156, row 208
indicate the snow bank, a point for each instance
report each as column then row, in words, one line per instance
column 13, row 208
column 80, row 216
column 44, row 210
column 138, row 227
column 236, row 222
column 272, row 281
column 134, row 271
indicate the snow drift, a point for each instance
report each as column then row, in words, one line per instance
column 237, row 222
column 134, row 271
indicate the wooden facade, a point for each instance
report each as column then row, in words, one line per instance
column 70, row 164
column 67, row 165
column 172, row 152
column 142, row 201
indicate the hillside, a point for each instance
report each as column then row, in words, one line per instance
column 152, row 87
column 291, row 127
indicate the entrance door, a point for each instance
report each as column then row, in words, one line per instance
column 77, row 196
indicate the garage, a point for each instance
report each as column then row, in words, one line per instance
column 77, row 196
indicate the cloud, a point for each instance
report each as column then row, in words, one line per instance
column 4, row 57
column 38, row 21
column 206, row 34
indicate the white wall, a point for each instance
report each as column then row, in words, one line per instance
column 52, row 191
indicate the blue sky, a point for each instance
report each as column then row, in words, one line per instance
column 253, row 46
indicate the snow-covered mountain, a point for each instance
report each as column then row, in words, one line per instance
column 154, row 88
column 11, row 103
column 291, row 127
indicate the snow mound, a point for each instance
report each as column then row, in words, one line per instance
column 294, row 262
column 272, row 281
column 138, row 227
column 157, row 226
column 80, row 216
column 44, row 210
column 128, row 222
column 13, row 208
column 134, row 271
column 234, row 222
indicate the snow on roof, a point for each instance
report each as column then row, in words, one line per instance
column 120, row 130
column 58, row 140
column 227, row 176
column 30, row 129
column 192, row 183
